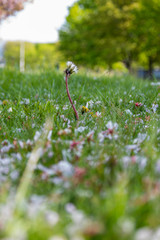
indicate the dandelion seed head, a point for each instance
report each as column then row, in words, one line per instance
column 71, row 68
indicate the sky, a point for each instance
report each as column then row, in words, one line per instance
column 38, row 22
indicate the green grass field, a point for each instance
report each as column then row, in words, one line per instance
column 98, row 178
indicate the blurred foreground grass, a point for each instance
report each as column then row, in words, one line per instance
column 95, row 179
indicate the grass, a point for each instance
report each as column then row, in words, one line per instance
column 93, row 179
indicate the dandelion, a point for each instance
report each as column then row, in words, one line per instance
column 71, row 68
column 84, row 109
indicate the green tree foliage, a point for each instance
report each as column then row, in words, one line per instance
column 37, row 56
column 146, row 23
column 101, row 32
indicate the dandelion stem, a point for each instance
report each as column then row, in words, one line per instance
column 76, row 113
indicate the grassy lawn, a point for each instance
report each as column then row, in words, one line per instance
column 98, row 178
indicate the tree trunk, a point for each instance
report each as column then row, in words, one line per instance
column 150, row 68
column 127, row 63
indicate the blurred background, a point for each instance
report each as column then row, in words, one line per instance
column 98, row 35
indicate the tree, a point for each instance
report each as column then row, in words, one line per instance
column 146, row 23
column 101, row 32
column 9, row 7
column 98, row 32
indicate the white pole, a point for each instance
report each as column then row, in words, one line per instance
column 22, row 56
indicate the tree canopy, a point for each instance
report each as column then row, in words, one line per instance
column 101, row 32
